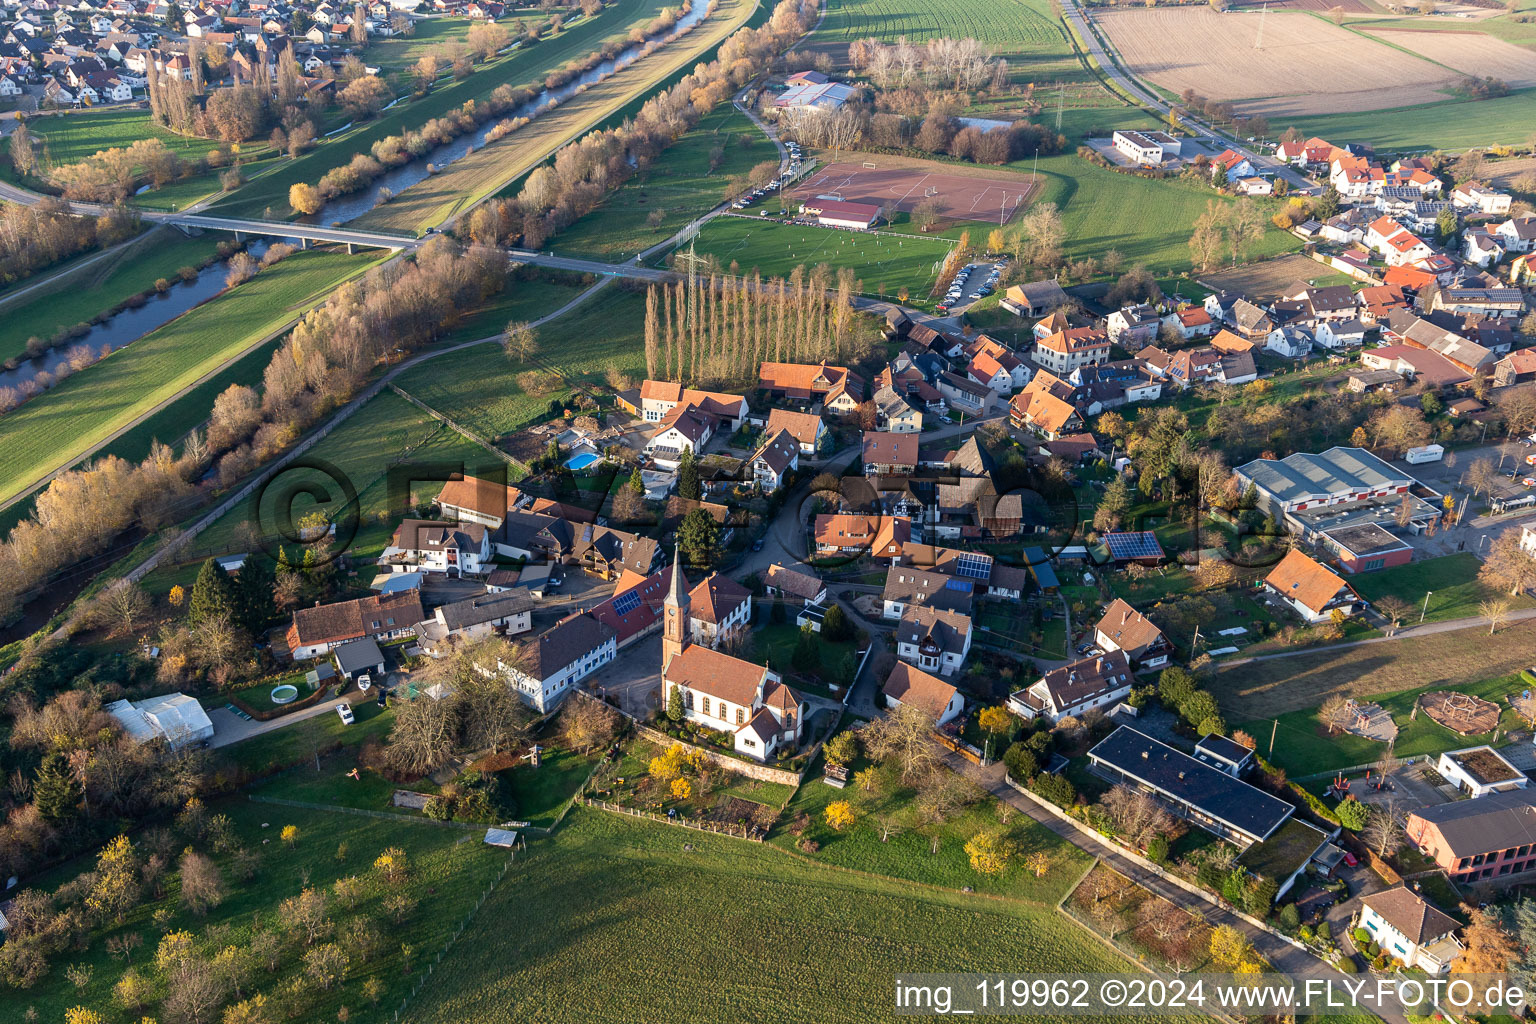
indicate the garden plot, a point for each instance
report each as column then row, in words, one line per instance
column 1300, row 65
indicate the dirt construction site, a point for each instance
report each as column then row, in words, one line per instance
column 1275, row 62
column 902, row 188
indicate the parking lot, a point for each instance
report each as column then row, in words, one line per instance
column 1482, row 525
column 971, row 283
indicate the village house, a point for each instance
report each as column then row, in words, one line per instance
column 889, row 454
column 457, row 549
column 778, row 456
column 1034, row 298
column 659, row 398
column 912, row 687
column 315, row 631
column 808, row 429
column 1518, row 234
column 838, row 390
column 507, row 613
column 907, row 586
column 1018, row 370
column 794, row 584
column 1493, row 836
column 1065, row 351
column 471, row 499
column 1480, row 198
column 933, row 639
column 683, row 430
column 559, row 658
column 964, row 394
column 1310, row 589
column 1123, row 628
column 895, row 414
column 855, row 534
column 1191, row 322
column 606, row 553
column 1410, row 929
column 1340, row 335
column 1519, row 367
column 1074, row 689
column 1045, row 407
column 1132, row 327
column 718, row 608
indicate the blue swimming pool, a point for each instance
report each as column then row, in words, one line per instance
column 581, row 461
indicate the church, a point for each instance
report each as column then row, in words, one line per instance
column 724, row 693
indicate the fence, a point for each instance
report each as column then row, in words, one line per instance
column 735, row 831
column 960, row 747
column 751, row 769
column 458, row 428
column 464, row 923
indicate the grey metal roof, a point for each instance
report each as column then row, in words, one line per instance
column 1497, row 821
column 358, row 655
column 1306, row 475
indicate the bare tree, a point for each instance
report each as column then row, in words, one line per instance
column 202, row 884
column 519, row 341
column 1383, row 833
column 1336, row 713
column 1496, row 611
column 586, row 722
column 904, row 738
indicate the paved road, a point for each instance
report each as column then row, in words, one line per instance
column 1147, row 95
column 1282, row 955
column 1448, row 626
column 229, row 727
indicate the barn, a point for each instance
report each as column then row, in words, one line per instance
column 834, row 213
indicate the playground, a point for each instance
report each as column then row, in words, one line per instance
column 1461, row 713
column 898, row 188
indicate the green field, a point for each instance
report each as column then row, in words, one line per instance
column 521, row 65
column 1303, row 745
column 884, row 263
column 398, row 54
column 483, row 173
column 130, row 270
column 1457, row 592
column 60, row 425
column 679, row 183
column 1457, row 124
column 1010, row 28
column 447, row 877
column 675, row 925
column 478, row 386
column 1148, row 221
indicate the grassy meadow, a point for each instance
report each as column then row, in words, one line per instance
column 57, row 427
column 463, row 183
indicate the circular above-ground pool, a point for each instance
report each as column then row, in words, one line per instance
column 581, row 461
column 285, row 694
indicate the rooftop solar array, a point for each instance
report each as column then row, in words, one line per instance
column 627, row 602
column 963, row 586
column 976, row 567
column 1142, row 544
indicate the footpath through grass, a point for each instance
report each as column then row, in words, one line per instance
column 100, row 286
column 59, row 426
column 670, row 924
column 483, row 173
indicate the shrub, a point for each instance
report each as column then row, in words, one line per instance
column 1022, row 763
column 1157, row 850
column 1362, row 936
column 1347, row 964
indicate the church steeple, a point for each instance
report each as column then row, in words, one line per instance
column 675, row 630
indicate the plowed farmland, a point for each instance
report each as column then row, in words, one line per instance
column 1300, row 65
column 1471, row 53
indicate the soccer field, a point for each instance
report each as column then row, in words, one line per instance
column 884, row 263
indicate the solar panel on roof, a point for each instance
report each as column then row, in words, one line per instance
column 963, row 586
column 627, row 602
column 1133, row 545
column 973, row 566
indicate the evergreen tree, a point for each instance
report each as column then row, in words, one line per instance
column 688, row 476
column 699, row 537
column 212, row 595
column 675, row 704
column 254, row 586
column 55, row 790
column 807, row 651
column 637, row 482
column 835, row 625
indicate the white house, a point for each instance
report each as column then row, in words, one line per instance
column 933, row 639
column 1518, row 234
column 1311, row 590
column 1339, row 334
column 1123, row 628
column 508, row 612
column 1146, row 148
column 777, row 458
column 913, row 687
column 684, row 430
column 173, row 717
column 1074, row 689
column 1411, row 929
column 1482, row 199
column 659, row 397
column 964, row 394
column 560, row 658
column 1479, row 247
column 1478, row 771
column 452, row 548
column 1289, row 341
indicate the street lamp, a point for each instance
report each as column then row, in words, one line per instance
column 1425, row 610
column 1482, row 542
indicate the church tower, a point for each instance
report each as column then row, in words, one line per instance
column 675, row 632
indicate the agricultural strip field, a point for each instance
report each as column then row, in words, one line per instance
column 1261, row 689
column 783, row 938
column 522, row 65
column 103, row 284
column 1299, row 69
column 1454, row 125
column 885, row 263
column 679, row 186
column 1269, row 279
column 449, row 870
column 55, row 428
column 1471, row 54
column 1146, row 220
column 466, row 182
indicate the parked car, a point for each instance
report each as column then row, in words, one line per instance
column 344, row 711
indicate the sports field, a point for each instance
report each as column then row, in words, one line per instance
column 1292, row 68
column 674, row 925
column 884, row 263
column 958, row 197
column 485, row 172
column 55, row 428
